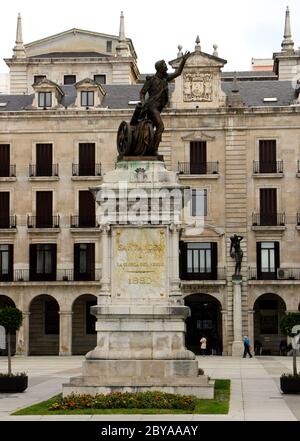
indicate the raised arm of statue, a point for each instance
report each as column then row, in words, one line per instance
column 180, row 68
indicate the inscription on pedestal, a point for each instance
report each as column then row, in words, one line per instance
column 140, row 269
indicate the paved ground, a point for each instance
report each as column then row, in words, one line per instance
column 255, row 393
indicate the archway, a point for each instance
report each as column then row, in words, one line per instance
column 84, row 337
column 7, row 302
column 268, row 311
column 206, row 319
column 44, row 326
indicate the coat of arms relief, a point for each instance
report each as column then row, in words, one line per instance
column 197, row 87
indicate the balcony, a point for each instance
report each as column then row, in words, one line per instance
column 8, row 222
column 268, row 222
column 36, row 222
column 45, row 173
column 201, row 279
column 280, row 275
column 62, row 275
column 272, row 169
column 209, row 169
column 86, row 171
column 83, row 223
column 8, row 173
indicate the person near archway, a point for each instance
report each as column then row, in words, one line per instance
column 247, row 347
column 203, row 345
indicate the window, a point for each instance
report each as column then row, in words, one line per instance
column 87, row 153
column 100, row 79
column 87, row 210
column 109, row 46
column 43, row 262
column 6, row 263
column 39, row 78
column 4, row 209
column 87, row 99
column 90, row 320
column 44, row 210
column 69, row 79
column 44, row 160
column 198, row 158
column 45, row 99
column 268, row 260
column 268, row 207
column 267, row 156
column 199, row 261
column 51, row 317
column 84, row 261
column 4, row 160
column 199, row 202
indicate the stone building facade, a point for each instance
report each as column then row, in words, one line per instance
column 234, row 139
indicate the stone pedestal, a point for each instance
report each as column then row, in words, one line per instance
column 140, row 313
column 237, row 345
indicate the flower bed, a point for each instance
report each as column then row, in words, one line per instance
column 118, row 400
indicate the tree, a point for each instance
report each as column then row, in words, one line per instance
column 286, row 325
column 11, row 319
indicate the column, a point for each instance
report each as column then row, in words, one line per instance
column 65, row 333
column 175, row 294
column 237, row 345
column 224, row 332
column 22, row 336
column 251, row 327
column 105, row 290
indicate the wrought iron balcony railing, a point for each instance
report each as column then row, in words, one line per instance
column 218, row 274
column 7, row 172
column 278, row 274
column 43, row 171
column 84, row 222
column 8, row 222
column 62, row 275
column 268, row 220
column 205, row 168
column 86, row 170
column 267, row 167
column 36, row 222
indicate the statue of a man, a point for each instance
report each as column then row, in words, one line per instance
column 237, row 253
column 158, row 96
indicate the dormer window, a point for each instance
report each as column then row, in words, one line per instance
column 39, row 78
column 45, row 99
column 69, row 80
column 87, row 99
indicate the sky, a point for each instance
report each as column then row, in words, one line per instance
column 242, row 29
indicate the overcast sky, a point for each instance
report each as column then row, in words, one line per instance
column 242, row 29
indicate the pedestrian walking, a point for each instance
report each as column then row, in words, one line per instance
column 247, row 347
column 203, row 345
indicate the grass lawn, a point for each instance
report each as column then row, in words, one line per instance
column 220, row 405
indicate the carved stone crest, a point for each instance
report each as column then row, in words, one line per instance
column 197, row 87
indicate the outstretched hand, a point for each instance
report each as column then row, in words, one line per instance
column 186, row 56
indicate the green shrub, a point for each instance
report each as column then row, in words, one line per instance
column 21, row 374
column 288, row 322
column 11, row 319
column 127, row 400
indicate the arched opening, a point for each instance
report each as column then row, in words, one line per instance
column 7, row 302
column 268, row 311
column 84, row 337
column 205, row 320
column 44, row 326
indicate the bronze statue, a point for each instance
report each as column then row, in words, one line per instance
column 139, row 138
column 237, row 253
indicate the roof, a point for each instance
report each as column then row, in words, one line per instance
column 118, row 96
column 72, row 55
column 249, row 75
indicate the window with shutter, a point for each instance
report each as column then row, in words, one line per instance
column 87, row 210
column 268, row 260
column 44, row 159
column 4, row 160
column 6, row 263
column 4, row 209
column 87, row 153
column 201, row 261
column 44, row 209
column 267, row 156
column 84, row 262
column 268, row 206
column 198, row 158
column 43, row 260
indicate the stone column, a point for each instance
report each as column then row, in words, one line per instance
column 251, row 327
column 175, row 294
column 105, row 290
column 22, row 336
column 65, row 333
column 224, row 332
column 237, row 345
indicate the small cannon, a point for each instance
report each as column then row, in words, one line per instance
column 136, row 138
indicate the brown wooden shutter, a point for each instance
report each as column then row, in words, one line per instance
column 267, row 156
column 198, row 158
column 32, row 261
column 87, row 159
column 44, row 159
column 183, row 260
column 258, row 260
column 54, row 261
column 11, row 263
column 87, row 209
column 91, row 261
column 4, row 209
column 214, row 261
column 76, row 261
column 268, row 206
column 44, row 209
column 277, row 257
column 4, row 160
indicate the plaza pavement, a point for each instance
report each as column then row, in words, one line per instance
column 255, row 392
